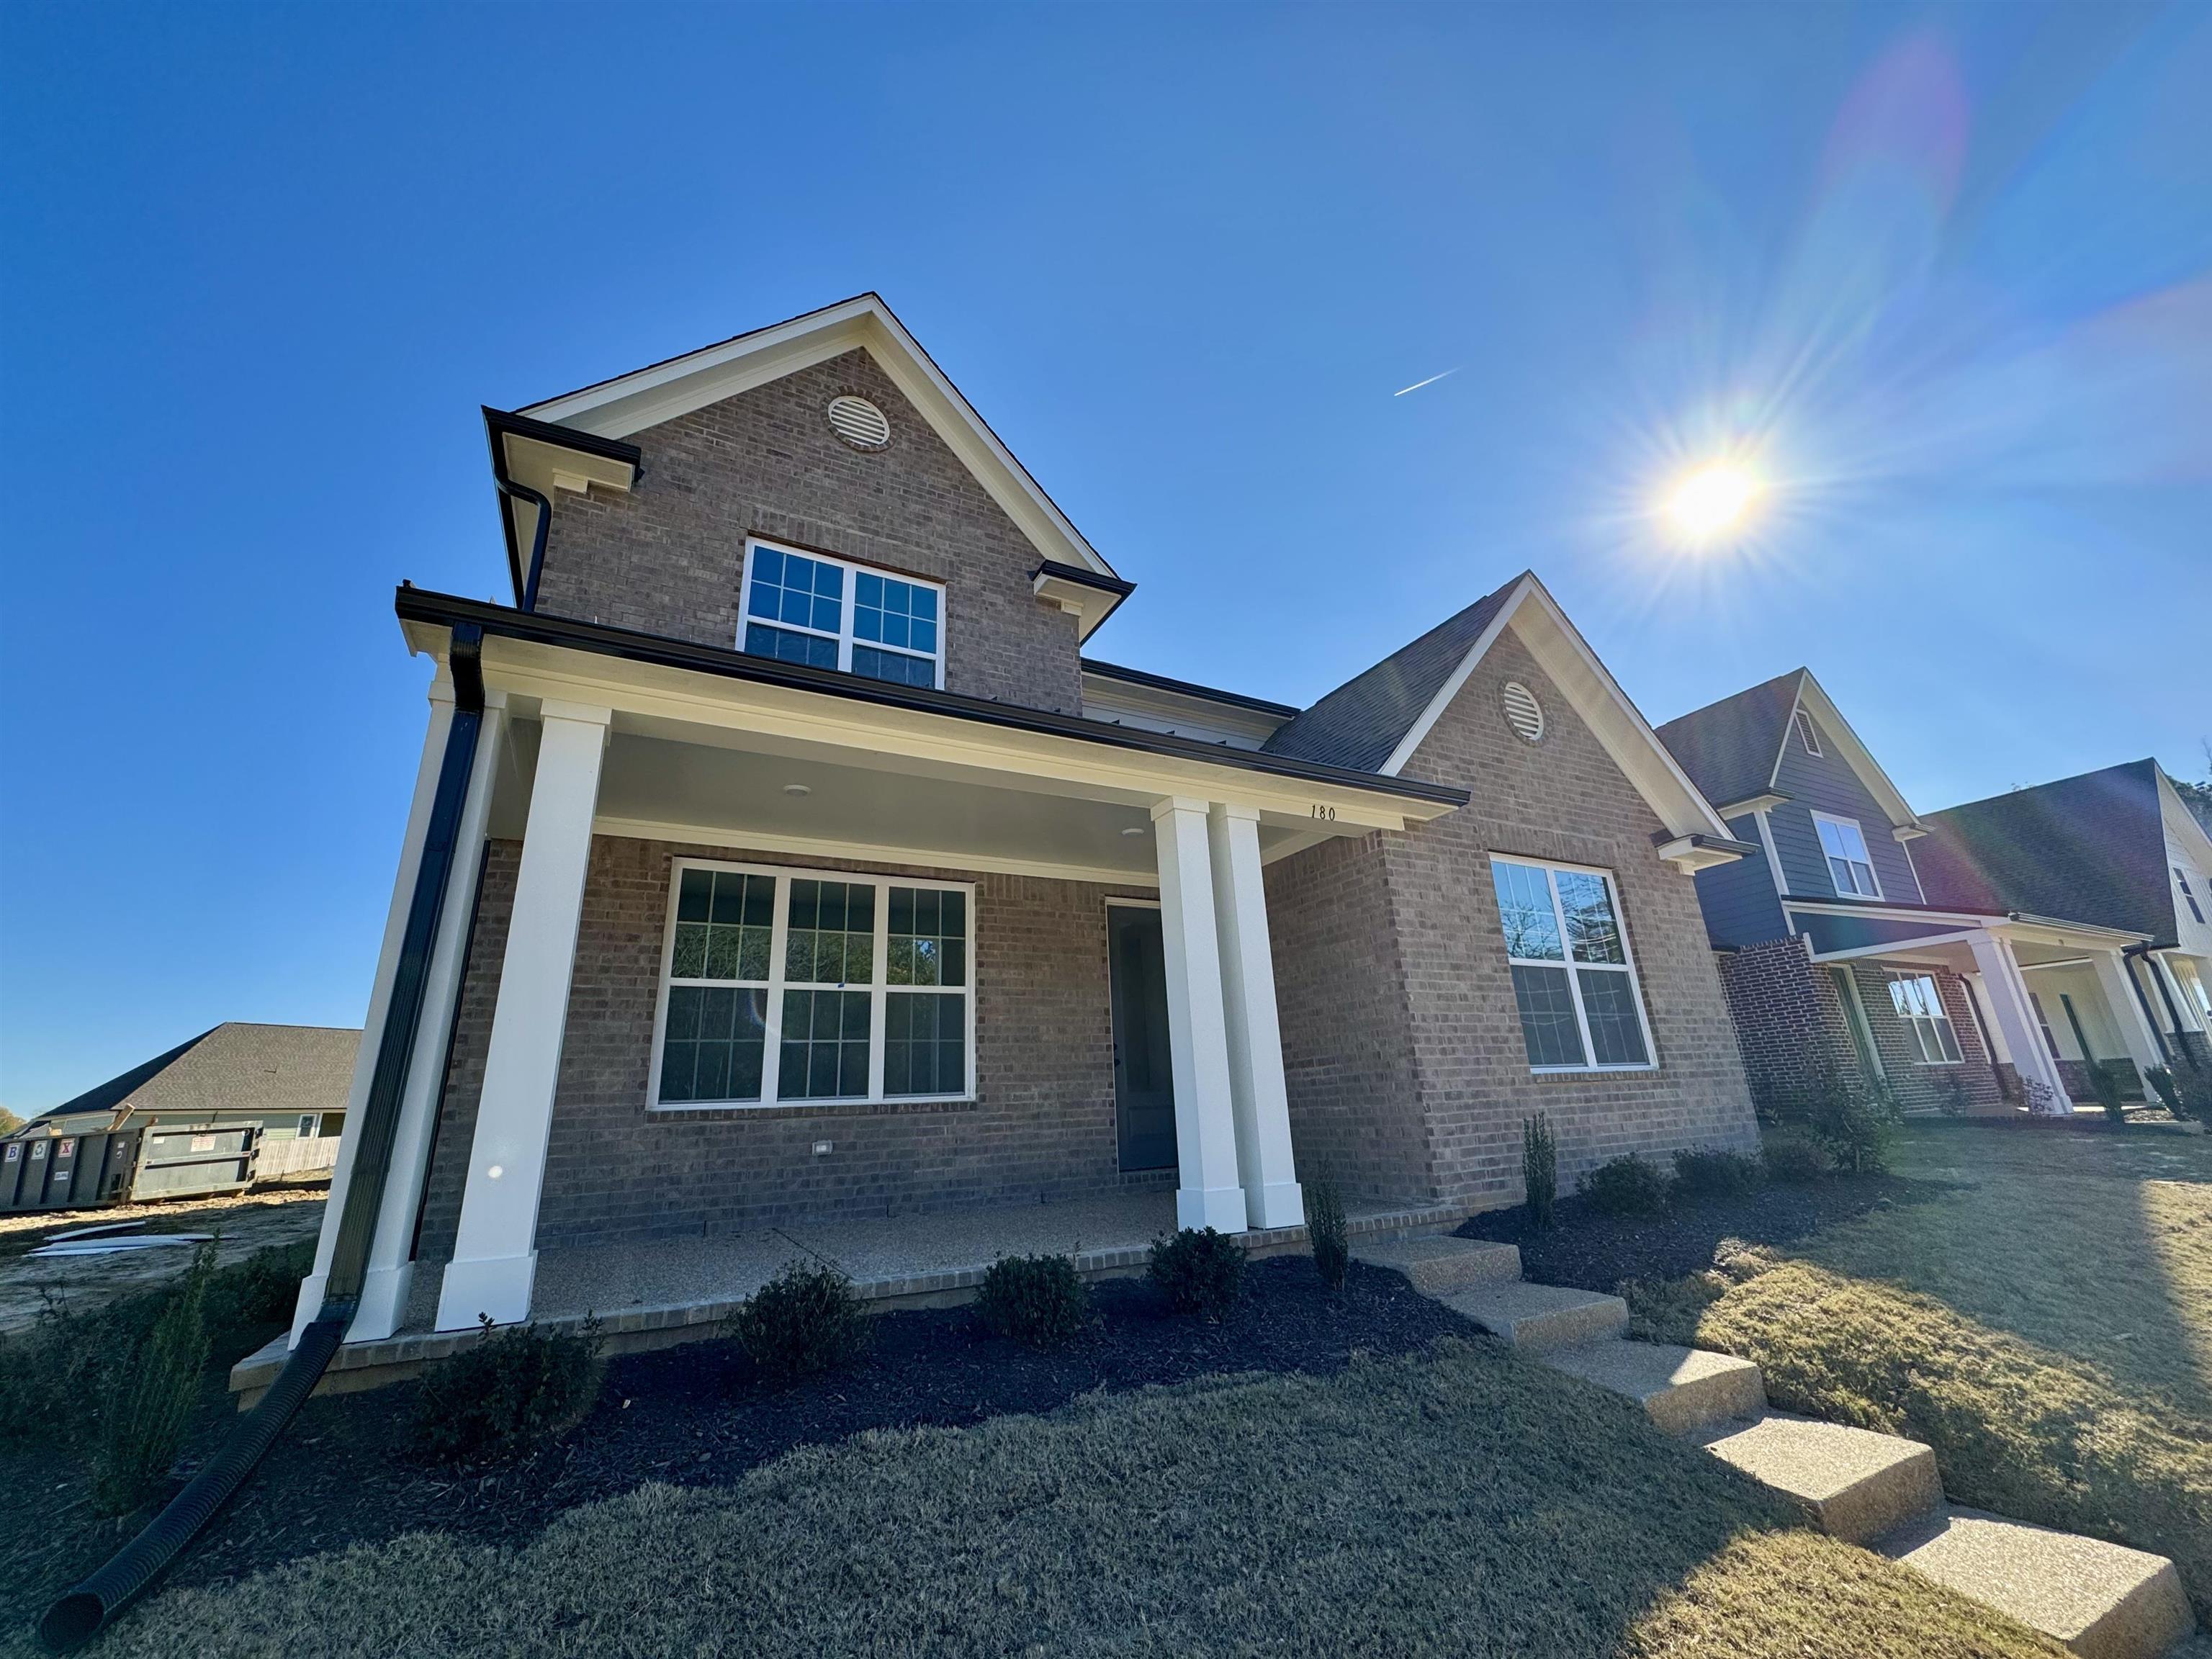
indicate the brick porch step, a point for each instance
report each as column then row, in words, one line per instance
column 1538, row 1318
column 1682, row 1389
column 1436, row 1267
column 2101, row 1600
column 1854, row 1484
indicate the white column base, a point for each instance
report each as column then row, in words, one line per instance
column 1281, row 1203
column 384, row 1293
column 499, row 1286
column 1221, row 1208
column 309, row 1304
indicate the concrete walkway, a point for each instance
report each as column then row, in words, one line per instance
column 2101, row 1599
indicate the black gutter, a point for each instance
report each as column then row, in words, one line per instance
column 1185, row 687
column 499, row 426
column 1114, row 586
column 79, row 1615
column 2141, row 952
column 417, row 604
column 525, row 588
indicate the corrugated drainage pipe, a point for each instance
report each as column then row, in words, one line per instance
column 84, row 1611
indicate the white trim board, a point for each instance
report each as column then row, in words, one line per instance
column 918, row 857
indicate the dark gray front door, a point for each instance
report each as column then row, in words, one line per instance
column 1144, row 1077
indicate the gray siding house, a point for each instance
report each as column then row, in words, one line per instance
column 1841, row 958
column 806, row 870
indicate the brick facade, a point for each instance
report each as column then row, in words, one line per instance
column 1042, row 1125
column 1407, row 1069
column 669, row 557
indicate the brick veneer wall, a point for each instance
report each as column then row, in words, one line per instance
column 669, row 557
column 1042, row 1124
column 1455, row 1015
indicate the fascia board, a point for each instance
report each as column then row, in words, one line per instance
column 1456, row 682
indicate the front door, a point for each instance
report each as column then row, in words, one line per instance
column 1144, row 1076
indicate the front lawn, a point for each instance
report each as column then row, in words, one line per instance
column 2045, row 1322
column 1461, row 1501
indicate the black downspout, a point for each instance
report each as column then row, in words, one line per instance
column 2142, row 953
column 78, row 1616
column 526, row 591
column 2128, row 957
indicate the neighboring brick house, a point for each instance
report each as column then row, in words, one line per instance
column 1840, row 959
column 2118, row 847
column 803, row 868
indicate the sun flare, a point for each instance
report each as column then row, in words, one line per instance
column 1708, row 502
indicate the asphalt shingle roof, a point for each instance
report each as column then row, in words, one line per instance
column 235, row 1067
column 1729, row 748
column 1361, row 723
column 2090, row 849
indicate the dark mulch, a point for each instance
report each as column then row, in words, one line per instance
column 699, row 1415
column 1593, row 1251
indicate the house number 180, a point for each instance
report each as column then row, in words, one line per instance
column 1320, row 811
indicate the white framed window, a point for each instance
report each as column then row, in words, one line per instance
column 780, row 984
column 2181, row 876
column 828, row 613
column 1920, row 1006
column 1849, row 866
column 1805, row 734
column 1573, row 978
column 311, row 1125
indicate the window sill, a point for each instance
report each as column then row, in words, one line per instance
column 730, row 1112
column 1939, row 1062
column 1589, row 1071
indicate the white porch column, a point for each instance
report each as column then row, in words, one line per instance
column 2123, row 995
column 2008, row 993
column 1208, row 1194
column 310, row 1299
column 494, row 1253
column 390, row 1276
column 1257, row 1093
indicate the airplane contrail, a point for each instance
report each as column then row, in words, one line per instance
column 1431, row 380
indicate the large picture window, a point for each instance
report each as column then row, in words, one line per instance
column 1920, row 1006
column 809, row 608
column 1581, row 1008
column 792, row 985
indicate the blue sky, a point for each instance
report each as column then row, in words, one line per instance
column 1949, row 271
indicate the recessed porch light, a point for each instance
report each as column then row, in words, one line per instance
column 795, row 790
column 1132, row 829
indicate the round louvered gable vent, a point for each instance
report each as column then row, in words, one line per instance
column 1523, row 713
column 859, row 422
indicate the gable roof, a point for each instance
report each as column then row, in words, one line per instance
column 1729, row 748
column 1376, row 720
column 1734, row 748
column 660, row 391
column 235, row 1068
column 2090, row 849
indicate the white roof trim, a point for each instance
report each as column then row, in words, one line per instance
column 1574, row 669
column 1857, row 755
column 630, row 403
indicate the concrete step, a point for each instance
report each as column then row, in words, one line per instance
column 1682, row 1389
column 2101, row 1599
column 1437, row 1265
column 1854, row 1484
column 1539, row 1318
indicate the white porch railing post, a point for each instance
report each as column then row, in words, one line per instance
column 1208, row 1194
column 495, row 1251
column 1257, row 1092
column 2007, row 992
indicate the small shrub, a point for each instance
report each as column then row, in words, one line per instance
column 149, row 1400
column 1038, row 1299
column 2104, row 1085
column 804, row 1320
column 1856, row 1123
column 1325, row 1226
column 519, row 1387
column 1198, row 1272
column 1540, row 1169
column 1951, row 1096
column 1793, row 1156
column 1626, row 1186
column 1709, row 1173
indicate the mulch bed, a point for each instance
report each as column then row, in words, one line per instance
column 699, row 1415
column 1593, row 1251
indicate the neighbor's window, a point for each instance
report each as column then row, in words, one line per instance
column 806, row 608
column 1580, row 1005
column 1920, row 1006
column 794, row 985
column 1845, row 849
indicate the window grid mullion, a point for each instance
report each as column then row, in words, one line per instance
column 879, row 990
column 772, row 1023
column 1574, row 976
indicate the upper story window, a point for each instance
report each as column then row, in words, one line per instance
column 2181, row 876
column 826, row 613
column 1581, row 1008
column 1845, row 849
column 1805, row 734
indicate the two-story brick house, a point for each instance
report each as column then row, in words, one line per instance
column 1840, row 959
column 779, row 855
